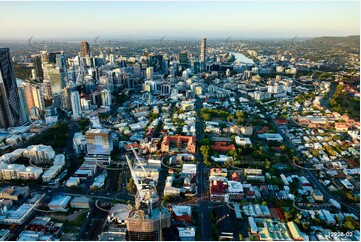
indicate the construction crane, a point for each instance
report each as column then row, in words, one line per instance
column 145, row 222
column 139, row 161
column 146, row 192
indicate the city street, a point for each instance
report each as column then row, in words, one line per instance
column 203, row 205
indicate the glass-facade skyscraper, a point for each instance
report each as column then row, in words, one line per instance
column 183, row 59
column 10, row 109
column 156, row 61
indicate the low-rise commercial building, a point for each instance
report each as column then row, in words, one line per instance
column 73, row 182
column 182, row 213
column 79, row 143
column 80, row 202
column 15, row 193
column 59, row 203
column 268, row 229
column 317, row 195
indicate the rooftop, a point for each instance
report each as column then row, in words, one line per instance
column 182, row 210
column 59, row 201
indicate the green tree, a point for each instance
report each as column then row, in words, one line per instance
column 205, row 149
column 315, row 152
column 253, row 238
column 297, row 221
column 240, row 117
column 338, row 220
column 350, row 197
column 206, row 141
column 268, row 164
column 288, row 216
column 130, row 186
column 206, row 117
column 349, row 225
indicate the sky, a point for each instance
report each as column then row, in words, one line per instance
column 243, row 19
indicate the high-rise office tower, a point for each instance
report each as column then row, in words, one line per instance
column 57, row 100
column 28, row 93
column 95, row 99
column 203, row 52
column 106, row 97
column 54, row 69
column 85, row 104
column 60, row 61
column 75, row 104
column 38, row 97
column 156, row 61
column 65, row 99
column 165, row 65
column 57, row 77
column 137, row 70
column 10, row 114
column 44, row 57
column 85, row 49
column 183, row 59
column 111, row 58
column 149, row 73
column 195, row 66
column 47, row 90
column 71, row 75
column 165, row 89
column 52, row 57
column 23, row 107
column 130, row 82
column 38, row 67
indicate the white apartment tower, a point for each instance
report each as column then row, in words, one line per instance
column 75, row 104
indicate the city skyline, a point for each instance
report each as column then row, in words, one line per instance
column 180, row 121
column 175, row 19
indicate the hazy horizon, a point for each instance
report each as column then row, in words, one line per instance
column 166, row 38
column 185, row 20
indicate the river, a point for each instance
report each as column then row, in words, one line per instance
column 242, row 58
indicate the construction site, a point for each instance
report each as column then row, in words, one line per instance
column 149, row 220
column 149, row 227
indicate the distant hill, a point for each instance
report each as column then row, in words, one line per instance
column 351, row 41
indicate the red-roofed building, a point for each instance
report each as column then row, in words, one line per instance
column 345, row 117
column 222, row 147
column 236, row 176
column 178, row 141
column 280, row 214
column 218, row 189
column 182, row 213
column 343, row 127
column 128, row 147
column 249, row 194
column 263, row 130
column 281, row 121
